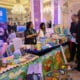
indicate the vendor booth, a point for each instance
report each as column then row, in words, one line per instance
column 47, row 59
column 39, row 61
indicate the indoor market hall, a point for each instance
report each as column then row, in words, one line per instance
column 39, row 39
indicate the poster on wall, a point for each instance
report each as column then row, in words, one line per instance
column 3, row 17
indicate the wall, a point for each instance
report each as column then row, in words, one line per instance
column 73, row 6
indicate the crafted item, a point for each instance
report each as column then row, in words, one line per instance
column 55, row 78
column 38, row 46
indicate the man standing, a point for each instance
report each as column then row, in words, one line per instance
column 73, row 30
column 78, row 43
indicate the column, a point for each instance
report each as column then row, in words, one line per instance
column 41, row 10
column 52, row 11
column 36, row 13
column 32, row 11
column 52, row 14
column 59, row 12
column 55, row 11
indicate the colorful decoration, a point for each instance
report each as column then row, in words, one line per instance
column 59, row 58
column 53, row 62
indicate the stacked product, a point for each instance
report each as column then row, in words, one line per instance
column 52, row 41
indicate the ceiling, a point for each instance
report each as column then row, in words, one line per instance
column 10, row 3
column 26, row 3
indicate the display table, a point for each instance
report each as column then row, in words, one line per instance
column 50, row 54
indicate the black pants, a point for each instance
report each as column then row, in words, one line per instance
column 78, row 55
column 73, row 51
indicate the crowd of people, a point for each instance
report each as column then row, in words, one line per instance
column 75, row 40
column 30, row 34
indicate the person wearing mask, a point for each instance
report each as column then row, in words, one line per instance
column 78, row 43
column 73, row 39
column 30, row 34
column 42, row 31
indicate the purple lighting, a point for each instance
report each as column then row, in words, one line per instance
column 37, row 14
column 55, row 11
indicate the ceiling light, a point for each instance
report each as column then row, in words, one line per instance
column 18, row 9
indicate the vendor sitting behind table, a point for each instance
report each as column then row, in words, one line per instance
column 42, row 31
column 30, row 34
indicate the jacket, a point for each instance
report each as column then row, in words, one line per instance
column 78, row 33
column 73, row 28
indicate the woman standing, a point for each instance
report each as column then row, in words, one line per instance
column 30, row 34
column 42, row 31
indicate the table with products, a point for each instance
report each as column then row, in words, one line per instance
column 35, row 63
column 47, row 60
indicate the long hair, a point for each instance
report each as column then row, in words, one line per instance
column 42, row 27
column 28, row 25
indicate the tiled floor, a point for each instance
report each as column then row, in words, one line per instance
column 74, row 74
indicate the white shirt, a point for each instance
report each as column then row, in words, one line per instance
column 41, row 33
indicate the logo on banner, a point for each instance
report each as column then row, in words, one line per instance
column 0, row 13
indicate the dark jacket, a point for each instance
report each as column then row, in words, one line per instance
column 73, row 28
column 78, row 33
column 32, row 40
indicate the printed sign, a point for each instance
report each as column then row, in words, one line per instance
column 3, row 15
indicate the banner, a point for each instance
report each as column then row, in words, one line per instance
column 3, row 15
